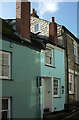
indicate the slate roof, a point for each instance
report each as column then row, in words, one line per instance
column 9, row 30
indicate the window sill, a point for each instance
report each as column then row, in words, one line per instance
column 71, row 93
column 50, row 65
column 6, row 79
column 36, row 32
column 57, row 96
column 76, row 63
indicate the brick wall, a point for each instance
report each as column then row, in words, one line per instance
column 23, row 19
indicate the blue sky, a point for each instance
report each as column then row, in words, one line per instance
column 65, row 13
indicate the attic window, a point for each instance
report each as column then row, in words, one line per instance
column 36, row 28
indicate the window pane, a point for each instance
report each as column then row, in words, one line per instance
column 36, row 28
column 5, row 71
column 5, row 64
column 49, row 52
column 4, row 109
column 74, row 51
column 4, row 104
column 49, row 56
column 5, row 59
column 56, row 89
column 47, row 60
column 4, row 115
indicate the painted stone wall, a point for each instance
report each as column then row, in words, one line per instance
column 22, row 88
column 55, row 72
column 44, row 26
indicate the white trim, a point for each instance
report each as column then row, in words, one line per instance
column 52, row 46
column 42, row 51
column 51, row 61
column 76, row 54
column 39, row 28
column 8, row 110
column 58, row 88
column 51, row 78
column 70, row 37
column 9, row 62
column 45, row 76
column 72, row 82
column 9, row 105
column 75, row 43
column 51, row 65
column 76, row 73
column 71, row 71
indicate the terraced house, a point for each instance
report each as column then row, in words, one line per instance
column 35, row 65
column 19, row 67
column 60, row 36
column 71, row 45
column 25, row 58
column 52, row 75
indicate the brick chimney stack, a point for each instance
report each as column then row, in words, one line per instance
column 23, row 18
column 53, row 32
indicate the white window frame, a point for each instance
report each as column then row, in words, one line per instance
column 36, row 31
column 76, row 53
column 51, row 64
column 9, row 75
column 58, row 95
column 71, row 82
column 7, row 110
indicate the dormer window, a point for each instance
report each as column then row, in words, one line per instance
column 36, row 28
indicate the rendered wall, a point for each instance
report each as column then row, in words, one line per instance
column 58, row 71
column 22, row 88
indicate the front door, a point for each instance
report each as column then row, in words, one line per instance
column 48, row 94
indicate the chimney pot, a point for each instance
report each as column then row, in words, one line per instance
column 52, row 19
column 33, row 10
column 36, row 12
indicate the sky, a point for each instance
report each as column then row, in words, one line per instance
column 65, row 13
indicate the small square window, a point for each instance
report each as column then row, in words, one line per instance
column 36, row 28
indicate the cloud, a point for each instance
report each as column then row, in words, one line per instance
column 44, row 7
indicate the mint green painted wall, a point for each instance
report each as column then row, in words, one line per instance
column 23, row 89
column 57, row 72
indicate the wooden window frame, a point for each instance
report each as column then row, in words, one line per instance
column 36, row 30
column 9, row 61
column 51, row 60
column 72, row 83
column 6, row 110
column 58, row 95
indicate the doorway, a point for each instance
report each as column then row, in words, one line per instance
column 48, row 94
